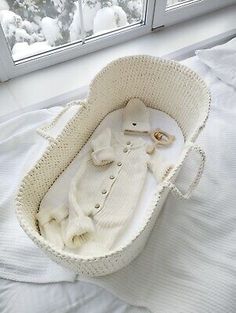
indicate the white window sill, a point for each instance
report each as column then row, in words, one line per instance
column 69, row 80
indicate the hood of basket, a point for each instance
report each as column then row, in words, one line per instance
column 164, row 85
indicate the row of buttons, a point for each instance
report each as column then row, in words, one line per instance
column 104, row 191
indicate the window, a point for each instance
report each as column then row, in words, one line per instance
column 38, row 33
column 32, row 27
column 170, row 12
column 171, row 3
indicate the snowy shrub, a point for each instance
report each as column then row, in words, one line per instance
column 4, row 5
column 59, row 4
column 56, row 22
column 17, row 30
column 90, row 9
column 51, row 30
column 23, row 49
column 109, row 18
column 135, row 6
column 120, row 15
column 75, row 29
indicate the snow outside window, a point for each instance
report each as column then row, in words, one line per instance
column 35, row 26
column 39, row 33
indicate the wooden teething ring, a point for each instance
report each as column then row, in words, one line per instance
column 162, row 138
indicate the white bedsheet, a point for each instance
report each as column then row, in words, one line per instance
column 20, row 147
column 196, row 259
column 64, row 297
column 222, row 61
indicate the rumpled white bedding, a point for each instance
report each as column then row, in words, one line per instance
column 64, row 297
column 193, row 263
column 222, row 60
column 20, row 147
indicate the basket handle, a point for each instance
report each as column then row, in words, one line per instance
column 44, row 131
column 186, row 195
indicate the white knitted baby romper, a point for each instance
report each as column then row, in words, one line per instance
column 105, row 191
column 108, row 193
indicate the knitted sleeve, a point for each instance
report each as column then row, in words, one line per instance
column 159, row 166
column 79, row 225
column 53, row 209
column 102, row 153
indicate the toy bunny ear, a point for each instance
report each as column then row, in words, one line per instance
column 136, row 117
column 103, row 153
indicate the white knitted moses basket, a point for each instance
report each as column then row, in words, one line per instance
column 161, row 84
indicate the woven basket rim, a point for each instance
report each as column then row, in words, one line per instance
column 157, row 60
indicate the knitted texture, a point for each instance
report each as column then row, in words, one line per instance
column 136, row 117
column 105, row 195
column 103, row 153
column 160, row 84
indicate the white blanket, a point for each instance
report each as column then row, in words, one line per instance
column 222, row 60
column 20, row 147
column 64, row 297
column 189, row 263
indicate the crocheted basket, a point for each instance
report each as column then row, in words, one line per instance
column 164, row 85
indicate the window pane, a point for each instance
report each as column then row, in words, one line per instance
column 172, row 3
column 104, row 17
column 35, row 26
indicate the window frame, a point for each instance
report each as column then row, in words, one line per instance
column 156, row 16
column 10, row 68
column 164, row 16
